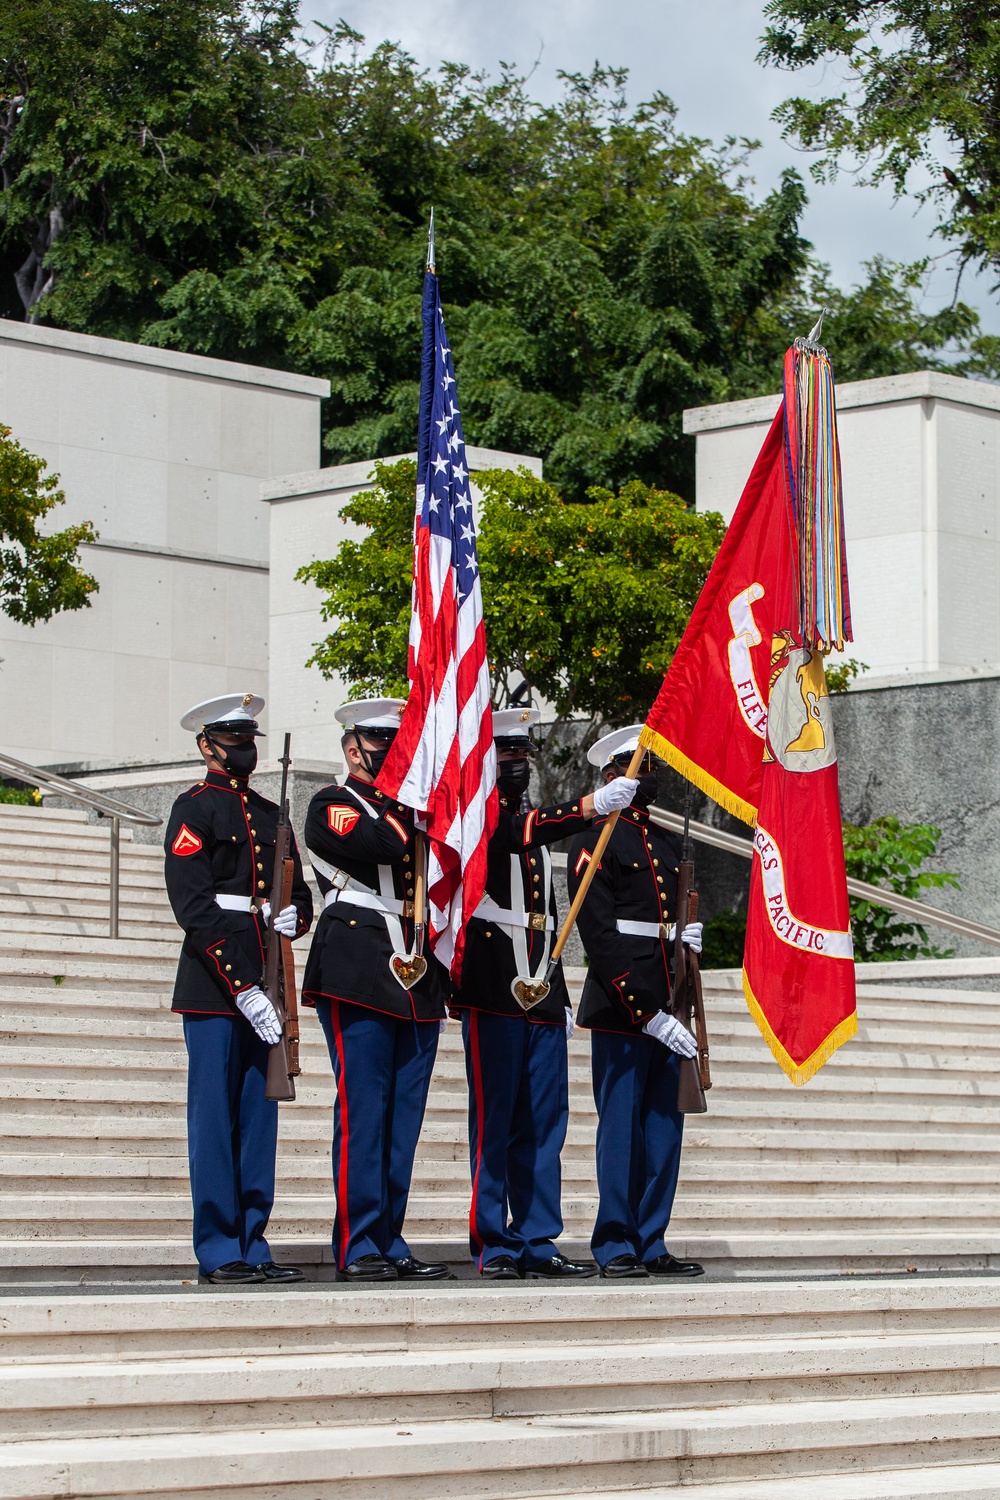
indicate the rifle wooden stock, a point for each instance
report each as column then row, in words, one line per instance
column 687, row 1000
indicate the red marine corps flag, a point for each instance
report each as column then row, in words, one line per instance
column 744, row 713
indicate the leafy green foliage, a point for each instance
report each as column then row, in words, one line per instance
column 188, row 173
column 920, row 100
column 723, row 938
column 39, row 576
column 889, row 853
column 586, row 601
column 840, row 675
column 19, row 796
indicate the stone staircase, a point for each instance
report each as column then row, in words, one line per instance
column 845, row 1343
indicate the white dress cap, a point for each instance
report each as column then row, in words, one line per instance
column 232, row 708
column 618, row 742
column 371, row 713
column 510, row 723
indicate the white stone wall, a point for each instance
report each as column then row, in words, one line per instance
column 921, row 463
column 164, row 452
column 306, row 525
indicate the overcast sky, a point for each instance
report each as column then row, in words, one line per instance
column 701, row 53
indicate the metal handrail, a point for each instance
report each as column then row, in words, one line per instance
column 733, row 844
column 103, row 805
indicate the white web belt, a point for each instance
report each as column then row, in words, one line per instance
column 517, row 924
column 646, row 929
column 233, row 903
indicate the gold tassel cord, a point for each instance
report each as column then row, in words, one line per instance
column 702, row 779
column 800, row 1073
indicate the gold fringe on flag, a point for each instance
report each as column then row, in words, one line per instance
column 800, row 1073
column 700, row 778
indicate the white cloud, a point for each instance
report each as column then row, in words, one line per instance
column 702, row 54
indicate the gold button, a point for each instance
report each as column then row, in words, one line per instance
column 488, row 932
column 660, row 879
column 234, row 838
column 260, row 867
column 253, row 832
column 260, row 885
column 218, row 952
column 233, row 783
column 353, row 923
column 256, row 848
column 406, row 859
column 635, row 865
column 536, row 878
column 631, row 997
column 656, row 861
column 245, row 798
column 558, row 812
column 400, row 807
column 228, row 968
column 237, row 982
column 531, row 861
column 638, row 1012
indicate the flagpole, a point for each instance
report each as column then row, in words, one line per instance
column 430, row 245
column 419, row 896
column 591, row 870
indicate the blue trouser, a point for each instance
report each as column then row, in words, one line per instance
column 232, row 1138
column 383, row 1070
column 639, row 1129
column 518, row 1112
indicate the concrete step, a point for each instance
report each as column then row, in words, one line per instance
column 109, row 1398
column 935, row 1482
column 517, row 1456
column 204, row 1321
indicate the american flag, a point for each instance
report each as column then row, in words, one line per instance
column 443, row 762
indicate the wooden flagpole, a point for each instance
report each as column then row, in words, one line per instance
column 591, row 870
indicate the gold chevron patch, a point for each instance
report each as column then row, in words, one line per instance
column 342, row 819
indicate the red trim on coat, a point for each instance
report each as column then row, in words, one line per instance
column 342, row 1164
column 309, row 997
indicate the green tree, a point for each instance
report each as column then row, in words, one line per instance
column 584, row 601
column 889, row 853
column 39, row 575
column 920, row 102
column 190, row 173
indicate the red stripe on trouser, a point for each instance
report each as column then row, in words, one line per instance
column 342, row 1211
column 477, row 1085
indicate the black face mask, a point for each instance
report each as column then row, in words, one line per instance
column 647, row 789
column 236, row 760
column 513, row 777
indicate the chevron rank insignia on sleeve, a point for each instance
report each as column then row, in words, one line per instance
column 342, row 819
column 186, row 842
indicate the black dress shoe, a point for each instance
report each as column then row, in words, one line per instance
column 274, row 1272
column 368, row 1268
column 669, row 1265
column 233, row 1273
column 558, row 1268
column 624, row 1268
column 411, row 1269
column 502, row 1268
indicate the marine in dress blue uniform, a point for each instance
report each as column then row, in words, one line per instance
column 515, row 1058
column 625, row 927
column 381, row 1022
column 219, row 852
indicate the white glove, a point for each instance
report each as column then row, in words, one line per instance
column 570, row 1027
column 669, row 1031
column 265, row 912
column 614, row 795
column 260, row 1013
column 691, row 936
column 442, row 1025
column 287, row 921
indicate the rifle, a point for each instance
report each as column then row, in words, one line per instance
column 687, row 1002
column 279, row 964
